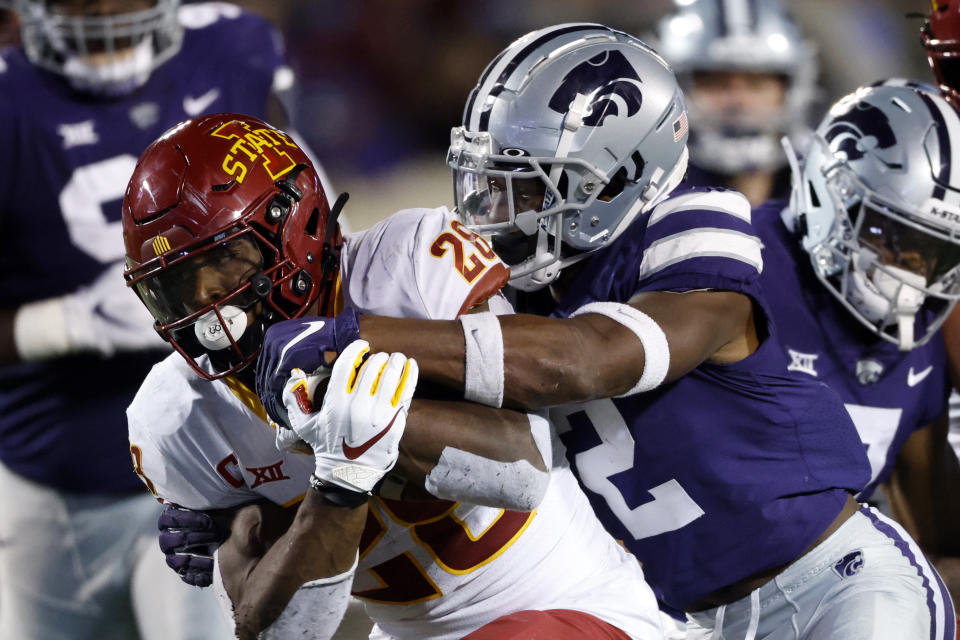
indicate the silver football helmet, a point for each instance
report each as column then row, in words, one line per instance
column 571, row 132
column 739, row 35
column 103, row 54
column 876, row 203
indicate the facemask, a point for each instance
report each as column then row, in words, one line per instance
column 111, row 74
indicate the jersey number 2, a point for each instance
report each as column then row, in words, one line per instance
column 671, row 508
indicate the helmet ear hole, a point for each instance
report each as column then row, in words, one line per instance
column 814, row 198
column 615, row 186
column 313, row 223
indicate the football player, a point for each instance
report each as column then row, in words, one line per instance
column 748, row 75
column 227, row 232
column 94, row 82
column 730, row 478
column 860, row 272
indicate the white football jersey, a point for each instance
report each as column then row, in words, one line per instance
column 419, row 263
column 428, row 570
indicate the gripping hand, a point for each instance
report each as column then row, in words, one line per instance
column 188, row 539
column 299, row 344
column 356, row 433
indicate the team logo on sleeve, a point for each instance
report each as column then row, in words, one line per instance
column 850, row 565
column 802, row 362
column 605, row 97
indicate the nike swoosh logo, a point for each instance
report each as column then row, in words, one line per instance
column 913, row 379
column 352, row 453
column 196, row 106
column 312, row 327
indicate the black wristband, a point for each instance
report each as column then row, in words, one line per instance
column 337, row 495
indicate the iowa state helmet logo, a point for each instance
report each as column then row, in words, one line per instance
column 610, row 83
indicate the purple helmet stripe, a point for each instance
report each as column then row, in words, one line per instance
column 476, row 90
column 520, row 57
column 944, row 176
column 904, row 547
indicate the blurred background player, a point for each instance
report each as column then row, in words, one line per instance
column 748, row 75
column 94, row 82
column 860, row 270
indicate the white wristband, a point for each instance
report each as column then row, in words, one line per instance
column 656, row 351
column 483, row 368
column 40, row 330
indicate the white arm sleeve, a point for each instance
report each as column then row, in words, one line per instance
column 462, row 476
column 315, row 610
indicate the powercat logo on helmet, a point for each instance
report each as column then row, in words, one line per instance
column 608, row 80
column 862, row 129
column 252, row 145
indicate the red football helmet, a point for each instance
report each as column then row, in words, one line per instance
column 227, row 230
column 941, row 39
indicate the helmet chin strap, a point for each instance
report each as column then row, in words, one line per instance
column 885, row 292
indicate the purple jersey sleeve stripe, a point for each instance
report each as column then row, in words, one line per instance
column 937, row 631
column 732, row 247
column 693, row 220
column 730, row 203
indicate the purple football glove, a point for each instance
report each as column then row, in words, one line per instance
column 188, row 539
column 299, row 344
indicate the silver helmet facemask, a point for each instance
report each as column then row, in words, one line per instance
column 876, row 240
column 572, row 132
column 105, row 55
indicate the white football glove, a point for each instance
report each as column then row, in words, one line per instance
column 356, row 434
column 104, row 317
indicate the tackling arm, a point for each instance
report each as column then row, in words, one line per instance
column 549, row 361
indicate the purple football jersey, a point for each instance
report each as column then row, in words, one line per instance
column 730, row 470
column 66, row 158
column 888, row 393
